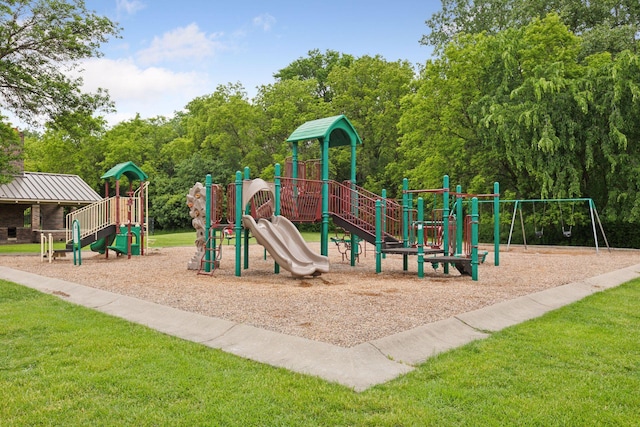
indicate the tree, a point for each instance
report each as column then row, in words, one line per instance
column 76, row 147
column 226, row 126
column 369, row 93
column 285, row 105
column 524, row 108
column 605, row 25
column 317, row 66
column 141, row 141
column 10, row 151
column 41, row 45
column 439, row 124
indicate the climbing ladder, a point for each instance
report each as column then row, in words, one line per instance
column 215, row 254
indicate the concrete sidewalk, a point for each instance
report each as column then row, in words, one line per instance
column 358, row 367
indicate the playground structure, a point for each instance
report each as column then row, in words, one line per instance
column 115, row 223
column 268, row 209
column 392, row 227
column 566, row 226
column 258, row 214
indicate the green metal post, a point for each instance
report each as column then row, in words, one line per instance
column 420, row 237
column 278, row 189
column 384, row 215
column 207, row 224
column 459, row 220
column 496, row 223
column 378, row 237
column 294, row 160
column 294, row 172
column 238, row 226
column 412, row 232
column 405, row 214
column 405, row 222
column 77, row 249
column 247, row 211
column 445, row 220
column 354, row 203
column 474, row 238
column 324, row 238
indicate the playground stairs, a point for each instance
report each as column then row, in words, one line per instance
column 98, row 220
column 213, row 260
column 353, row 209
column 97, row 235
column 363, row 229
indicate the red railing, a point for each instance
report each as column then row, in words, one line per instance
column 358, row 206
column 231, row 203
column 301, row 199
column 261, row 204
column 466, row 244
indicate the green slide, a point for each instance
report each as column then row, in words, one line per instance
column 120, row 243
column 101, row 245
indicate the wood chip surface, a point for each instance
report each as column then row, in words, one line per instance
column 345, row 307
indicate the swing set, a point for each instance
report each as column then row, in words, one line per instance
column 539, row 219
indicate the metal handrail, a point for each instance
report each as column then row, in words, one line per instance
column 99, row 215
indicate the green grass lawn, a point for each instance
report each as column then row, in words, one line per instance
column 188, row 239
column 62, row 364
column 159, row 240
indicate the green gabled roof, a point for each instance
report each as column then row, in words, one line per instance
column 337, row 129
column 128, row 169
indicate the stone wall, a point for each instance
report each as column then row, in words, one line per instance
column 12, row 215
column 12, row 229
column 52, row 217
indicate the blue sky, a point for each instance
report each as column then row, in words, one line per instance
column 172, row 51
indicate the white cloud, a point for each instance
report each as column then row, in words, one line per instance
column 181, row 43
column 265, row 21
column 151, row 91
column 129, row 7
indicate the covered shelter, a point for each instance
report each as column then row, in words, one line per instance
column 33, row 203
column 335, row 131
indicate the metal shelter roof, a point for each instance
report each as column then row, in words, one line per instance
column 128, row 169
column 36, row 187
column 338, row 129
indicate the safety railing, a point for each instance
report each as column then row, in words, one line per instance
column 358, row 206
column 99, row 215
column 301, row 199
column 261, row 204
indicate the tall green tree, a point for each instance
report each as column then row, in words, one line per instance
column 10, row 151
column 75, row 148
column 226, row 126
column 316, row 66
column 285, row 105
column 141, row 141
column 369, row 93
column 605, row 25
column 41, row 43
column 439, row 127
column 612, row 134
column 524, row 108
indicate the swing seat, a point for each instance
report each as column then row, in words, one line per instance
column 566, row 233
column 539, row 234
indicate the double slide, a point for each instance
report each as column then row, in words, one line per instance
column 286, row 245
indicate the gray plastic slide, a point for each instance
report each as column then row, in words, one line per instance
column 286, row 245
